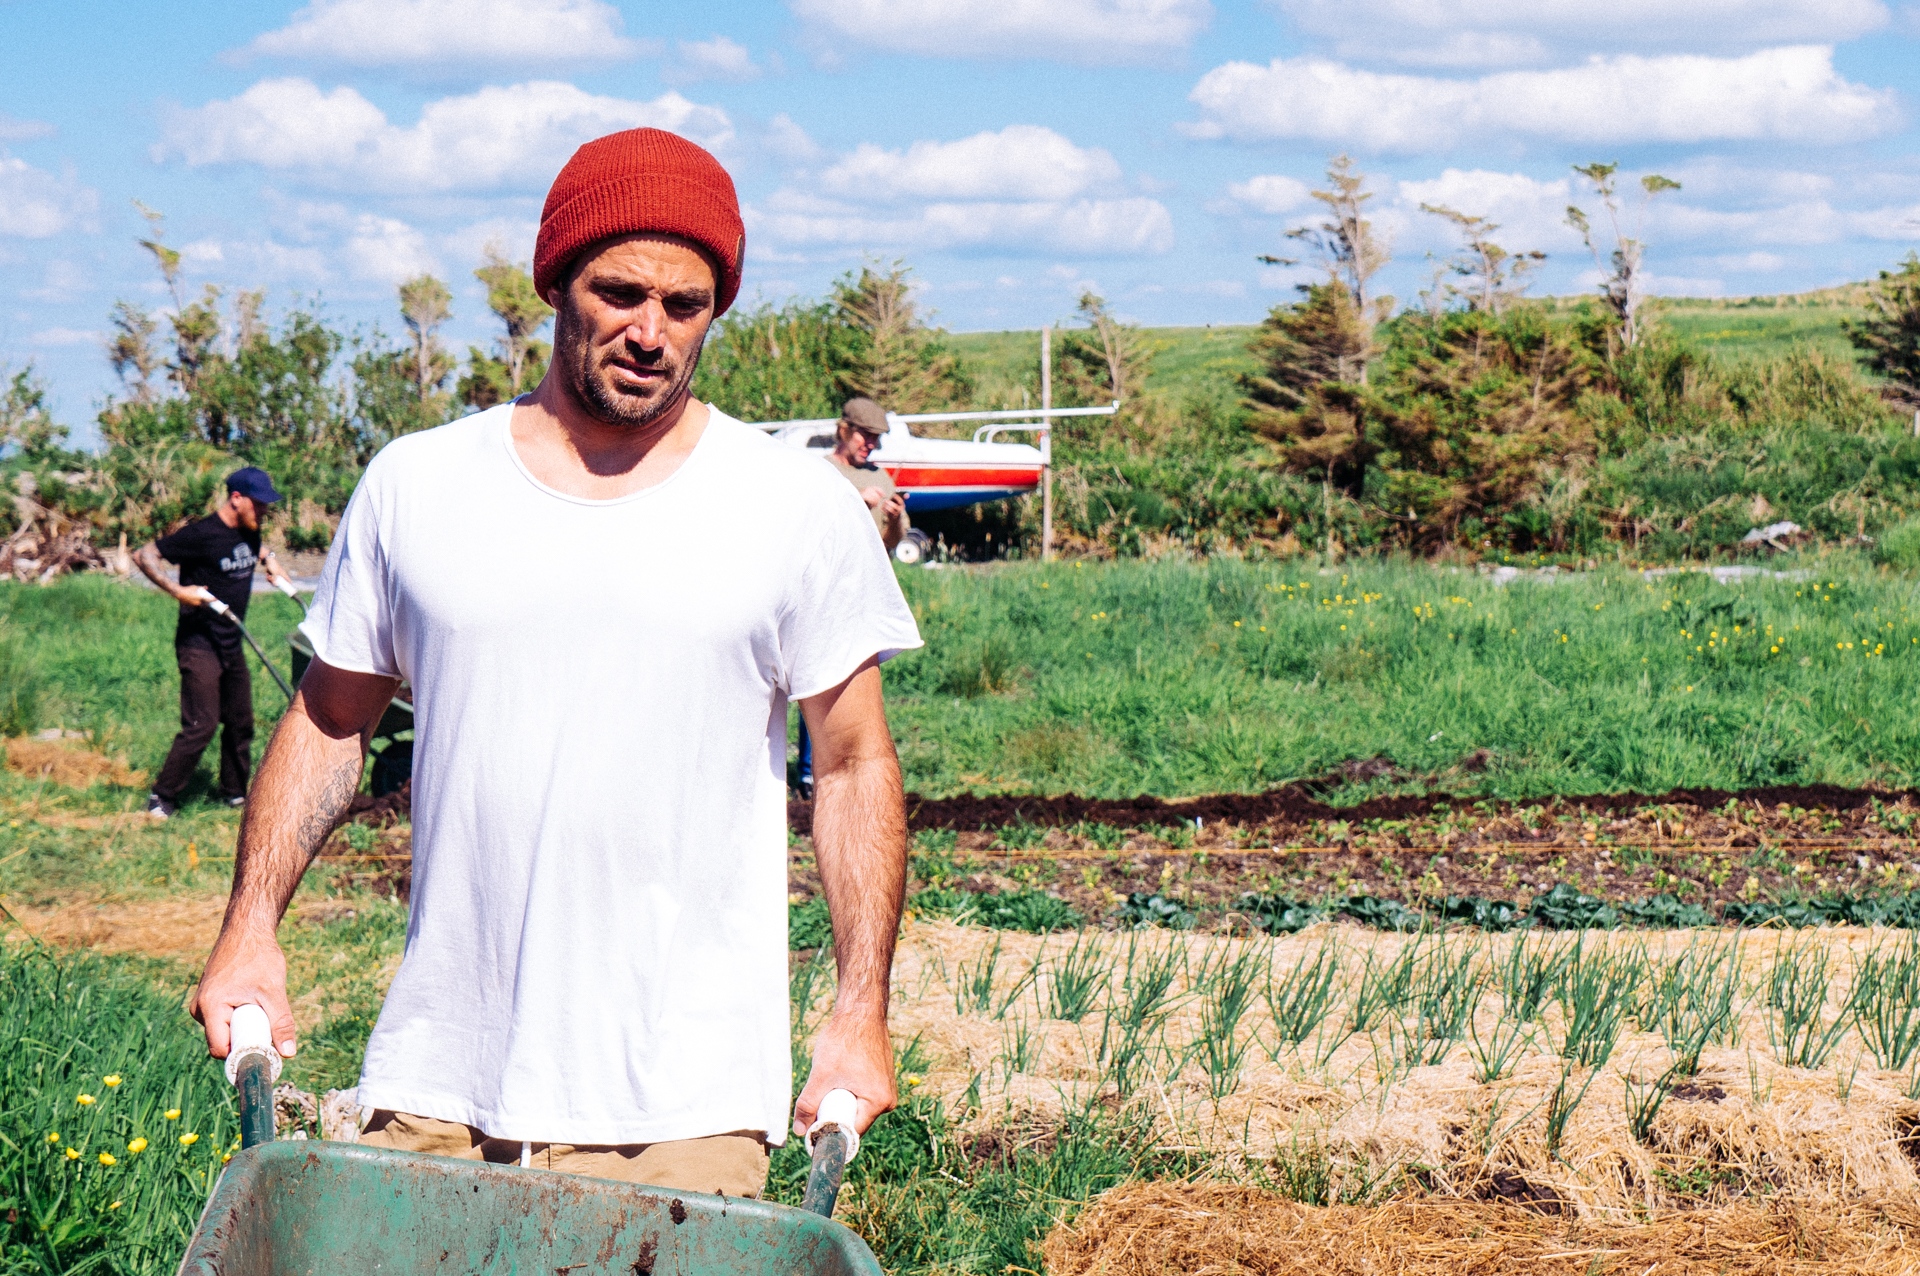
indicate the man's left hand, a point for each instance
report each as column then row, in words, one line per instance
column 852, row 1053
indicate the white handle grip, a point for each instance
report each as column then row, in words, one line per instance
column 288, row 588
column 250, row 1033
column 839, row 1109
column 217, row 607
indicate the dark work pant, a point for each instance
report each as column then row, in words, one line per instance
column 215, row 691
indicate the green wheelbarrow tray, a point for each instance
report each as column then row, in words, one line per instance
column 302, row 1208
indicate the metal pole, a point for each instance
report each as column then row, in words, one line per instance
column 1046, row 446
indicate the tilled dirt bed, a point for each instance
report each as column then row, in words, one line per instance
column 1707, row 847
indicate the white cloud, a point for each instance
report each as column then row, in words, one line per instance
column 35, row 204
column 1756, row 263
column 1530, row 213
column 1270, row 193
column 1791, row 94
column 64, row 337
column 788, row 141
column 15, row 130
column 1085, row 227
column 715, row 59
column 1022, row 161
column 387, row 251
column 1085, row 31
column 1494, row 33
column 437, row 33
column 517, row 135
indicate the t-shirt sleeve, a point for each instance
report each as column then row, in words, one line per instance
column 846, row 605
column 182, row 543
column 350, row 623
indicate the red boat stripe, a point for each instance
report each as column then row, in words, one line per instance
column 931, row 476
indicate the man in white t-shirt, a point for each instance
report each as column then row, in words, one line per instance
column 595, row 969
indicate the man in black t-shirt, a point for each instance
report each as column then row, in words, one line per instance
column 216, row 556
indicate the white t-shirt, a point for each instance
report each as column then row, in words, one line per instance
column 597, row 949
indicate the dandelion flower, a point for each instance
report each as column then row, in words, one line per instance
column 114, row 1206
column 188, row 1140
column 226, row 1158
column 137, row 1146
column 83, row 1099
column 73, row 1154
column 106, row 1158
column 54, row 1137
column 173, row 1114
column 111, row 1080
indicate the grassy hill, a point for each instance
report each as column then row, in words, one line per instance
column 1204, row 359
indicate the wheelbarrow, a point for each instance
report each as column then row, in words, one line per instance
column 393, row 764
column 301, row 1208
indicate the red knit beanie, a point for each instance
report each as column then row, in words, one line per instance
column 642, row 179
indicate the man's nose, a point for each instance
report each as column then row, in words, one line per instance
column 647, row 326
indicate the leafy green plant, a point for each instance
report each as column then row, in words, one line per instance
column 1030, row 910
column 1566, row 908
column 809, row 925
column 1664, row 912
column 1142, row 909
column 1229, row 990
column 1528, row 976
column 1492, row 915
column 1594, row 991
column 1019, row 836
column 1561, row 1106
column 1493, row 1056
column 1382, row 913
column 1279, row 914
column 949, row 902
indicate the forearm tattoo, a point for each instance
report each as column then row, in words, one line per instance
column 330, row 807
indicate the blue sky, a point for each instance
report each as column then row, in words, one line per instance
column 1014, row 152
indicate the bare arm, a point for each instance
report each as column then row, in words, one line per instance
column 147, row 559
column 309, row 775
column 860, row 841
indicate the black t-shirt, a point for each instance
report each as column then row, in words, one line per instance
column 222, row 558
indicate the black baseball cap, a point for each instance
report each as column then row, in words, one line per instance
column 253, row 482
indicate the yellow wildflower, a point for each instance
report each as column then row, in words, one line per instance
column 188, row 1140
column 54, row 1137
column 106, row 1158
column 173, row 1114
column 83, row 1099
column 111, row 1080
column 137, row 1146
column 114, row 1206
column 73, row 1154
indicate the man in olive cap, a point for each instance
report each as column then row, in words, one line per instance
column 216, row 556
column 863, row 424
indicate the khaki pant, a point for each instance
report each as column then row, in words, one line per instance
column 734, row 1164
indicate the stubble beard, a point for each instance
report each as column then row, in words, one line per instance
column 593, row 388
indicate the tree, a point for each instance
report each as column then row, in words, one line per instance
column 769, row 364
column 1106, row 360
column 1888, row 337
column 26, row 423
column 425, row 304
column 196, row 324
column 130, row 350
column 885, row 350
column 1495, row 277
column 1349, row 250
column 511, row 296
column 1624, row 274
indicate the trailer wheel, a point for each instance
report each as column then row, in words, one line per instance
column 912, row 548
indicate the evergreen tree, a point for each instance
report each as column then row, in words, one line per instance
column 885, row 350
column 1888, row 338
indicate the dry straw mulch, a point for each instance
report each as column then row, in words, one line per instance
column 1210, row 1229
column 64, row 762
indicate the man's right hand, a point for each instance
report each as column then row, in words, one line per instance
column 244, row 970
column 873, row 496
column 194, row 595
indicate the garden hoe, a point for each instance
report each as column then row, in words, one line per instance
column 221, row 609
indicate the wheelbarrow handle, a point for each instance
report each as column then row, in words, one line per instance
column 253, row 1065
column 833, row 1142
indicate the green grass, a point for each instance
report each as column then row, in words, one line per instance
column 113, row 1121
column 1754, row 333
column 1188, row 362
column 1186, row 678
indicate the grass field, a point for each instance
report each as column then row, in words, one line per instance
column 1042, row 1070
